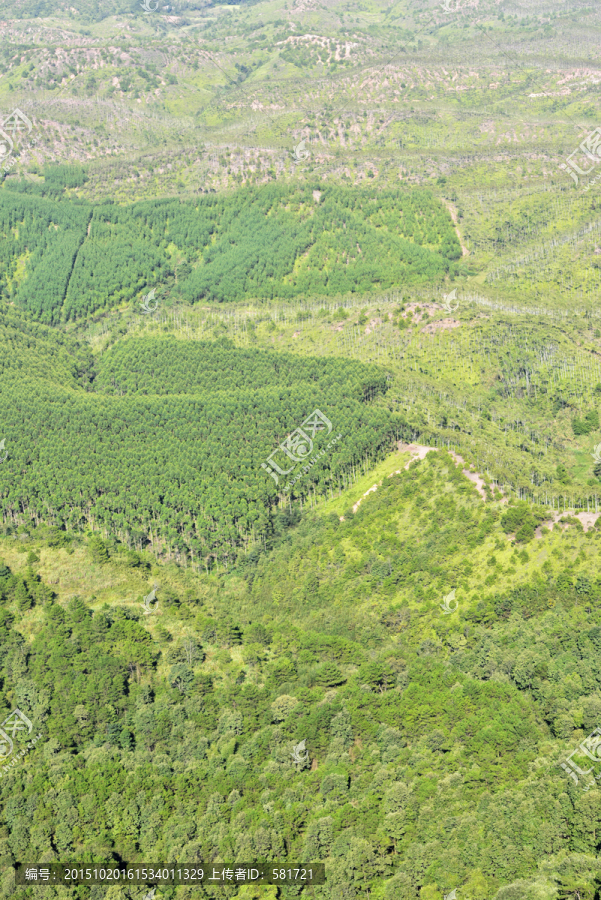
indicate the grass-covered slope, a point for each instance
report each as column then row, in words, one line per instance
column 433, row 740
column 63, row 259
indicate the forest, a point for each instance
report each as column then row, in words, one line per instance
column 168, row 439
column 433, row 742
column 62, row 259
column 300, row 445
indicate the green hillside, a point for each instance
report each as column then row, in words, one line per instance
column 184, row 474
column 256, row 256
column 433, row 741
column 62, row 260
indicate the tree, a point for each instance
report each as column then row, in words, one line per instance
column 378, row 675
column 98, row 549
column 329, row 675
column 180, row 677
column 126, row 739
column 282, row 706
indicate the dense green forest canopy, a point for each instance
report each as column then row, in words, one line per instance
column 62, row 259
column 169, row 366
column 433, row 741
column 38, row 351
column 183, row 473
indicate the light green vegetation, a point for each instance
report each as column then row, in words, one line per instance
column 302, row 186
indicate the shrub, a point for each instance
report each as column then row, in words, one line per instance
column 589, row 423
column 522, row 519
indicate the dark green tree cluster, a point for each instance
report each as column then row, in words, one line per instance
column 280, row 241
column 151, row 366
column 42, row 352
column 49, row 234
column 175, row 460
column 69, row 176
column 522, row 520
column 24, row 591
column 589, row 422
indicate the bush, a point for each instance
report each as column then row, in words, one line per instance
column 525, row 533
column 132, row 559
column 522, row 520
column 169, row 597
column 58, row 538
column 589, row 423
column 564, row 582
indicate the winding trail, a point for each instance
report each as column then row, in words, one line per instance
column 419, row 451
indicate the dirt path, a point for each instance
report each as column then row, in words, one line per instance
column 420, row 451
column 373, row 488
column 453, row 212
